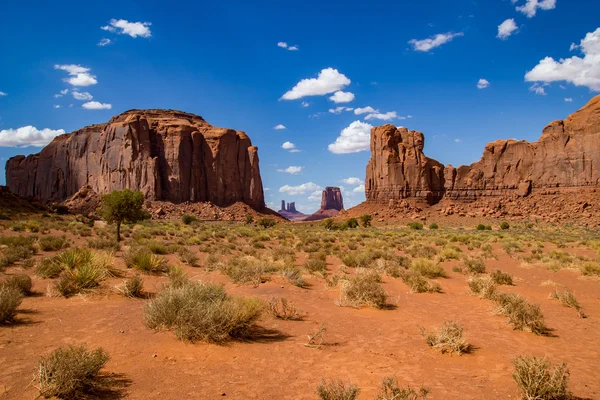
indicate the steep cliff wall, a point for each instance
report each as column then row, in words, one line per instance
column 168, row 155
column 566, row 156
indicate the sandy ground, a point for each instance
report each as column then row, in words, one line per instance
column 361, row 345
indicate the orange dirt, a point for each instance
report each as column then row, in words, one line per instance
column 361, row 345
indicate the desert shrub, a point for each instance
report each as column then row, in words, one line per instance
column 521, row 314
column 142, row 259
column 449, row 253
column 418, row 250
column 433, row 226
column 481, row 227
column 351, row 223
column 294, row 276
column 362, row 290
column 567, row 299
column 103, row 244
column 415, row 225
column 504, row 225
column 59, row 209
column 248, row 269
column 483, row 287
column 123, row 206
column 53, row 243
column 249, row 219
column 281, row 308
column 177, row 277
column 366, row 220
column 419, row 284
column 328, row 223
column 448, row 338
column 316, row 266
column 159, row 247
column 188, row 219
column 590, row 268
column 10, row 299
column 187, row 256
column 16, row 248
column 20, row 281
column 474, row 265
column 266, row 223
column 428, row 268
column 71, row 372
column 202, row 311
column 337, row 390
column 538, row 379
column 65, row 260
column 85, row 276
column 391, row 390
column 132, row 287
column 501, row 278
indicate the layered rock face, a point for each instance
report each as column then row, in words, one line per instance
column 566, row 156
column 331, row 199
column 290, row 212
column 398, row 168
column 168, row 155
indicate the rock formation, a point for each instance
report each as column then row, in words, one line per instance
column 567, row 156
column 168, row 155
column 331, row 204
column 290, row 212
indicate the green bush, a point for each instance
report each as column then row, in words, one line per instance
column 351, row 223
column 123, row 206
column 501, row 278
column 53, row 243
column 428, row 268
column 481, row 227
column 366, row 220
column 10, row 299
column 202, row 312
column 103, row 244
column 188, row 219
column 142, row 259
column 337, row 390
column 65, row 260
column 249, row 219
column 20, row 281
column 433, row 226
column 504, row 225
column 415, row 225
column 71, row 372
column 538, row 379
column 266, row 223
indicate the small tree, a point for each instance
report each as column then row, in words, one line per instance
column 328, row 223
column 123, row 206
column 366, row 220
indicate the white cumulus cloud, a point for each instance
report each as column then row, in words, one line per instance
column 531, row 6
column 338, row 110
column 28, row 136
column 384, row 117
column 292, row 169
column 356, row 137
column 279, row 127
column 329, row 80
column 79, row 76
column 431, row 43
column 300, row 189
column 359, row 189
column 342, row 97
column 124, row 27
column 483, row 83
column 568, row 99
column 96, row 105
column 576, row 70
column 284, row 45
column 365, row 110
column 316, row 195
column 61, row 93
column 506, row 29
column 83, row 96
column 538, row 89
column 2, row 94
column 104, row 42
column 352, row 181
column 288, row 146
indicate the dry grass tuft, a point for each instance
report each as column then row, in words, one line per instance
column 501, row 278
column 391, row 390
column 419, row 284
column 337, row 390
column 71, row 372
column 281, row 308
column 448, row 338
column 362, row 290
column 567, row 299
column 538, row 379
column 10, row 299
column 521, row 314
column 132, row 287
column 428, row 268
column 483, row 287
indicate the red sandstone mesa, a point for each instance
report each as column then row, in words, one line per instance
column 168, row 155
column 566, row 156
column 331, row 204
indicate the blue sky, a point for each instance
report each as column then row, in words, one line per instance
column 462, row 80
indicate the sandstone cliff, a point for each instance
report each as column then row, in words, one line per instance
column 168, row 155
column 566, row 156
column 331, row 204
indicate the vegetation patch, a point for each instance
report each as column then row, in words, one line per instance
column 521, row 314
column 390, row 389
column 538, row 379
column 449, row 338
column 362, row 290
column 567, row 299
column 337, row 390
column 10, row 299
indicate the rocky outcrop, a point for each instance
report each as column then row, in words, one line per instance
column 566, row 156
column 168, row 155
column 331, row 199
column 290, row 212
column 331, row 204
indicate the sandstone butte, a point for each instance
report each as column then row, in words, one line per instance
column 567, row 156
column 331, row 204
column 168, row 155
